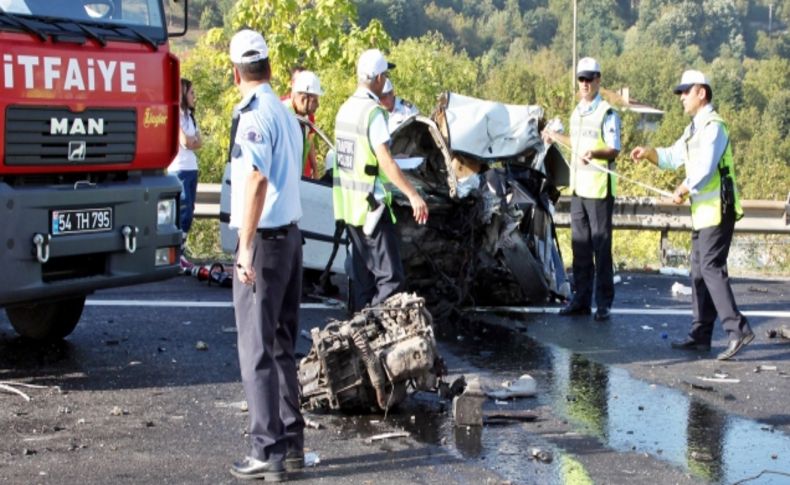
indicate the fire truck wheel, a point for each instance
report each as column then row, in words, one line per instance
column 47, row 321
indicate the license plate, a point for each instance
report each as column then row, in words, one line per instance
column 78, row 221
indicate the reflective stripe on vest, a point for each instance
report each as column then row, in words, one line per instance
column 706, row 204
column 356, row 166
column 586, row 133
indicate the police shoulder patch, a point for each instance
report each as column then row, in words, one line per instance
column 253, row 135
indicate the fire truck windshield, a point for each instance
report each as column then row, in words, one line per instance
column 145, row 14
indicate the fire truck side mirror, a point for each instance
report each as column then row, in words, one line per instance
column 177, row 18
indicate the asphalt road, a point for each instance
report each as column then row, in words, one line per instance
column 137, row 402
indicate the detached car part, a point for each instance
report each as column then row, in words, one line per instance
column 368, row 362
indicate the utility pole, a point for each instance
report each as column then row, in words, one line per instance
column 770, row 17
column 573, row 53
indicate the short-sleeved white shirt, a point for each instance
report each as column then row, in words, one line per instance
column 185, row 159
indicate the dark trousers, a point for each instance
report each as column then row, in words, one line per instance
column 710, row 283
column 267, row 319
column 591, row 241
column 376, row 268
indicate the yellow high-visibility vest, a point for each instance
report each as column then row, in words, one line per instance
column 586, row 131
column 706, row 204
column 356, row 167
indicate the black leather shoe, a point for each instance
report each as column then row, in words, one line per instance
column 690, row 344
column 294, row 461
column 602, row 314
column 253, row 469
column 736, row 345
column 573, row 309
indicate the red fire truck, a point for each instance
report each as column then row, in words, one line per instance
column 89, row 102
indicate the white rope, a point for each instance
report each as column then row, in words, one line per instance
column 612, row 172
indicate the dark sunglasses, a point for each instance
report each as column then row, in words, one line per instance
column 586, row 79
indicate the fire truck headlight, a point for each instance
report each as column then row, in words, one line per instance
column 166, row 212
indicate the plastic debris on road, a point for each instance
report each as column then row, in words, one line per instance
column 388, row 436
column 311, row 459
column 679, row 289
column 524, row 386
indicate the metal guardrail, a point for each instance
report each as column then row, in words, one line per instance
column 648, row 213
column 644, row 213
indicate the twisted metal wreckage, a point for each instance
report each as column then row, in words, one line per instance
column 491, row 185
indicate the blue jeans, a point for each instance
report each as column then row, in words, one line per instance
column 188, row 180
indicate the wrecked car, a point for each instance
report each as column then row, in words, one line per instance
column 490, row 184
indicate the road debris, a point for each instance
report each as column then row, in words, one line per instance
column 679, row 289
column 449, row 391
column 783, row 332
column 201, row 345
column 541, row 455
column 11, row 388
column 699, row 387
column 721, row 380
column 524, row 386
column 229, row 330
column 311, row 459
column 468, row 406
column 312, row 424
column 762, row 368
column 647, row 327
column 756, row 289
column 388, row 436
column 118, row 411
column 368, row 361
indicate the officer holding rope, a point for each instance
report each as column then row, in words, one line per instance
column 705, row 151
column 595, row 142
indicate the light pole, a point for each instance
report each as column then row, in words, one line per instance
column 573, row 53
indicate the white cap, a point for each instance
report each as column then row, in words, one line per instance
column 588, row 67
column 247, row 46
column 307, row 82
column 388, row 87
column 372, row 63
column 690, row 78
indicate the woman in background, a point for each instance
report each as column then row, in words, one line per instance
column 185, row 165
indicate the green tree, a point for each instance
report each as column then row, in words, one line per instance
column 428, row 66
column 319, row 34
column 210, row 18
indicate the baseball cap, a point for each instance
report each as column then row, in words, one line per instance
column 372, row 63
column 689, row 79
column 307, row 82
column 388, row 87
column 588, row 67
column 247, row 46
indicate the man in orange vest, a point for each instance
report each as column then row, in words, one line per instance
column 303, row 101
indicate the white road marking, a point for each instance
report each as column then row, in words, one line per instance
column 620, row 311
column 483, row 309
column 192, row 304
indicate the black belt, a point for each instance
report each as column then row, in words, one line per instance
column 275, row 232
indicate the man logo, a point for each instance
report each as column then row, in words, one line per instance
column 77, row 151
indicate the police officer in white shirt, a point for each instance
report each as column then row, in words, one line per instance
column 266, row 163
column 399, row 109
